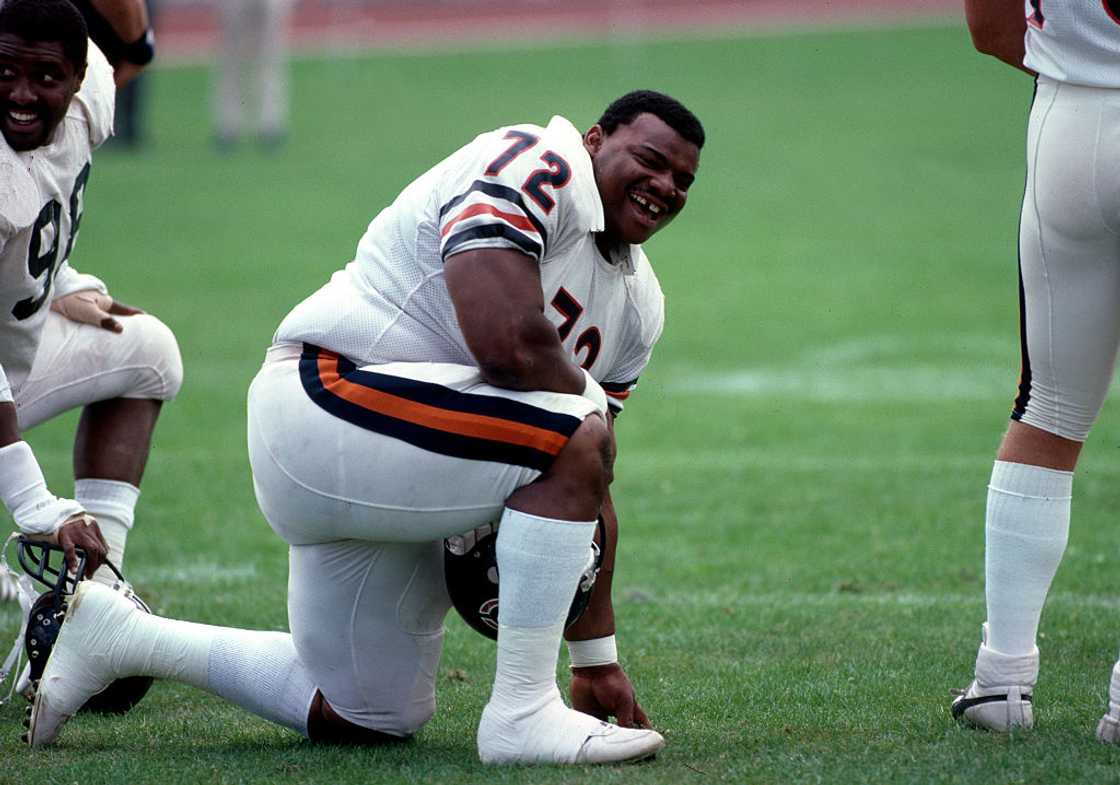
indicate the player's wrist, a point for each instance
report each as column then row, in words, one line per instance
column 592, row 653
column 594, row 392
column 23, row 490
column 142, row 50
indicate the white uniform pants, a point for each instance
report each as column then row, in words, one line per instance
column 1069, row 245
column 77, row 364
column 365, row 512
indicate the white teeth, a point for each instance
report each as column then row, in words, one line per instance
column 22, row 117
column 653, row 208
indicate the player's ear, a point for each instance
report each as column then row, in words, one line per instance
column 593, row 140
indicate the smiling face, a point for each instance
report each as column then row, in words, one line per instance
column 37, row 83
column 643, row 170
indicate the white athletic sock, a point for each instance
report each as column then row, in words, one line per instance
column 256, row 670
column 113, row 504
column 1027, row 528
column 539, row 563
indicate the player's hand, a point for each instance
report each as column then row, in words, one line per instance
column 92, row 307
column 82, row 531
column 124, row 72
column 604, row 691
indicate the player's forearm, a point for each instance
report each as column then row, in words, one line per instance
column 597, row 620
column 531, row 358
column 9, row 425
column 128, row 18
column 998, row 28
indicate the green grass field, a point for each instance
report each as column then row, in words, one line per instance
column 801, row 475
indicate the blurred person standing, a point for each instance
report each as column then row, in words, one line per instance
column 252, row 72
column 1069, row 299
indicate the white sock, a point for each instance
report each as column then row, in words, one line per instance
column 1027, row 528
column 1114, row 691
column 113, row 504
column 540, row 561
column 256, row 670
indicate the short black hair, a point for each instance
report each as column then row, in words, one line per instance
column 622, row 111
column 47, row 20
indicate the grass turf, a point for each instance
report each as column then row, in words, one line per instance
column 801, row 477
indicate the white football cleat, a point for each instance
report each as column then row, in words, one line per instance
column 994, row 708
column 1000, row 698
column 559, row 735
column 80, row 664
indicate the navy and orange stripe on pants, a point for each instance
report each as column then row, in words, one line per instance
column 433, row 417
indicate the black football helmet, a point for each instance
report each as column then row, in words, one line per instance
column 49, row 610
column 470, row 567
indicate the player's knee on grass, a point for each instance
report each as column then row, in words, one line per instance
column 153, row 354
column 325, row 726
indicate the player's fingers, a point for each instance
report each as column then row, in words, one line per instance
column 111, row 324
column 624, row 712
column 640, row 718
column 120, row 309
column 69, row 556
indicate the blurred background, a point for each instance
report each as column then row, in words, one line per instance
column 188, row 28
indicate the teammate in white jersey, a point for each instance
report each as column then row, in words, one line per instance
column 1069, row 274
column 466, row 366
column 64, row 342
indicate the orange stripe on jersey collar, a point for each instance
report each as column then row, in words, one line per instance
column 473, row 425
column 519, row 221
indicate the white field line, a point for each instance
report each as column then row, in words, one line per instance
column 874, row 368
column 849, row 599
column 195, row 573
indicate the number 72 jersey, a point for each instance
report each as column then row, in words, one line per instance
column 527, row 188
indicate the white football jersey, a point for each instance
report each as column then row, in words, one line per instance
column 522, row 187
column 41, row 199
column 1074, row 41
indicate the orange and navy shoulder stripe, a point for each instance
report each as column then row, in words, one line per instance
column 434, row 417
column 491, row 210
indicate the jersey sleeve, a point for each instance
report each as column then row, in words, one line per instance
column 5, row 388
column 97, row 95
column 68, row 280
column 522, row 188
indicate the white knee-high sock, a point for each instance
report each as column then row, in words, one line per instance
column 256, row 670
column 113, row 504
column 540, row 561
column 1027, row 528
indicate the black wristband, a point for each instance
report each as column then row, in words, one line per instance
column 142, row 50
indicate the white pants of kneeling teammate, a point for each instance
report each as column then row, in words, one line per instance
column 315, row 476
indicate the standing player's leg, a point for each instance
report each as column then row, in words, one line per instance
column 271, row 72
column 228, row 90
column 1070, row 302
column 121, row 380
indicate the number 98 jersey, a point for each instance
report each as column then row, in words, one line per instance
column 42, row 192
column 527, row 188
column 1074, row 41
